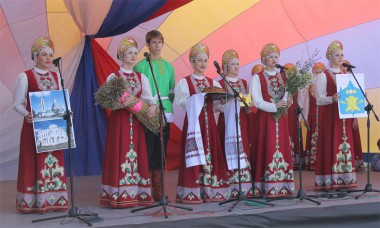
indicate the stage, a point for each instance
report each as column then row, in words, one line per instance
column 336, row 211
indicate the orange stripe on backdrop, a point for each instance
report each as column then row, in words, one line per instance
column 267, row 21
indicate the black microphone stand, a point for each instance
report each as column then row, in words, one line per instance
column 301, row 193
column 163, row 201
column 241, row 197
column 368, row 108
column 73, row 211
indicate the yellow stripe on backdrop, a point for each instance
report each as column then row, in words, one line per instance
column 179, row 38
column 373, row 95
column 62, row 29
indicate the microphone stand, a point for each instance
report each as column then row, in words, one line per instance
column 73, row 211
column 241, row 197
column 163, row 201
column 301, row 193
column 368, row 108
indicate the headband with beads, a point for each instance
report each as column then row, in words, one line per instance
column 268, row 49
column 127, row 42
column 42, row 44
column 197, row 50
column 229, row 57
column 334, row 46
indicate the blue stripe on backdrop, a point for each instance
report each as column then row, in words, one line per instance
column 90, row 120
column 124, row 15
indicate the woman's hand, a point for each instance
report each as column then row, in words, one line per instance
column 224, row 101
column 336, row 97
column 248, row 109
column 29, row 118
column 289, row 100
column 128, row 100
column 281, row 104
column 151, row 111
column 355, row 125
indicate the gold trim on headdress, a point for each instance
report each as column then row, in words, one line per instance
column 268, row 49
column 319, row 66
column 40, row 44
column 124, row 45
column 257, row 69
column 229, row 56
column 198, row 49
column 333, row 47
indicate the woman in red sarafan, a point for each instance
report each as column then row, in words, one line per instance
column 230, row 65
column 335, row 168
column 252, row 131
column 126, row 179
column 203, row 174
column 41, row 182
column 271, row 161
column 311, row 113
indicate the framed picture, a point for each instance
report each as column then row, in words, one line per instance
column 352, row 101
column 49, row 126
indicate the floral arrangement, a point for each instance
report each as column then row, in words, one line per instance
column 298, row 78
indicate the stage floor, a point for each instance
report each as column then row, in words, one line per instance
column 87, row 191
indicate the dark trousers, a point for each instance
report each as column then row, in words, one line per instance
column 153, row 145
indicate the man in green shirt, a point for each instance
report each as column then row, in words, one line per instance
column 164, row 74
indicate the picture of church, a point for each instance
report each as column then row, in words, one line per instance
column 52, row 135
column 47, row 104
column 48, row 109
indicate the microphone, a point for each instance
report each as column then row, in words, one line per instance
column 146, row 55
column 216, row 64
column 278, row 66
column 56, row 61
column 348, row 65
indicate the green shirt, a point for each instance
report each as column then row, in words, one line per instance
column 164, row 73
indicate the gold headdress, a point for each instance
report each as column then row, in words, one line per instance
column 198, row 49
column 124, row 45
column 290, row 66
column 228, row 57
column 334, row 46
column 41, row 44
column 268, row 49
column 257, row 69
column 319, row 66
